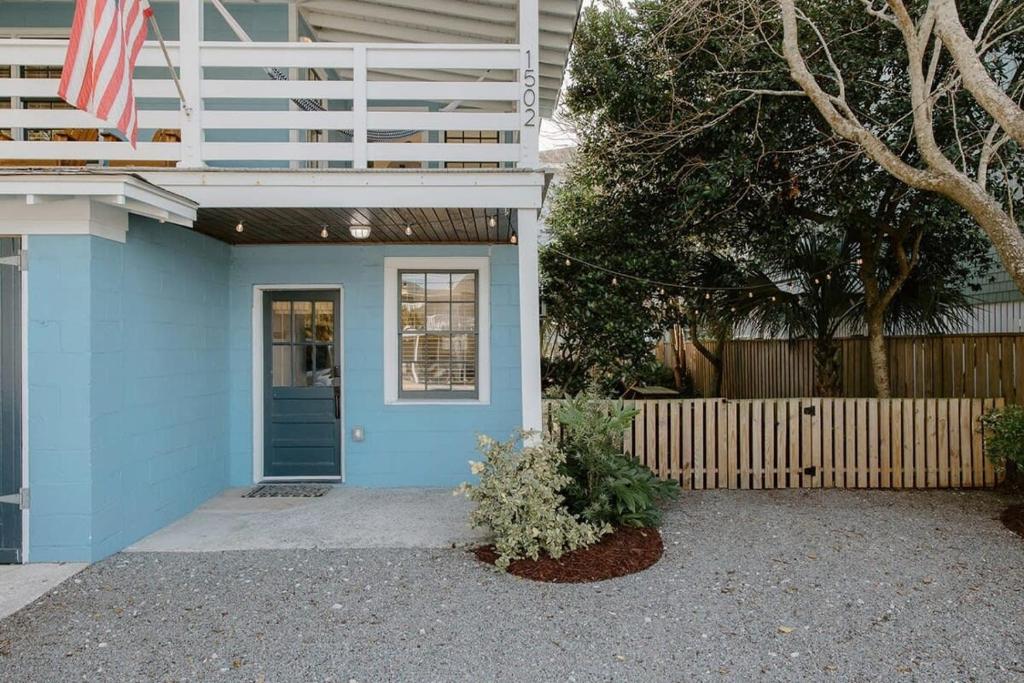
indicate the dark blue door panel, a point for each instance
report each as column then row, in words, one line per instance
column 10, row 403
column 302, row 396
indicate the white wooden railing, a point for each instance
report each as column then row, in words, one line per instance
column 242, row 118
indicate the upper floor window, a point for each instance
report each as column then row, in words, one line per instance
column 475, row 137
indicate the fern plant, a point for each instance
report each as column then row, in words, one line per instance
column 605, row 485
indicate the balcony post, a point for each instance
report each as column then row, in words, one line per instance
column 359, row 107
column 529, row 80
column 529, row 319
column 190, row 35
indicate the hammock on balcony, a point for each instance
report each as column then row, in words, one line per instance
column 306, row 104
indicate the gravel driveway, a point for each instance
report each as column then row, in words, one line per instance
column 789, row 585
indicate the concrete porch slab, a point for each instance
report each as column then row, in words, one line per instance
column 347, row 517
column 21, row 584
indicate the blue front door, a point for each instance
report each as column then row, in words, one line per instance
column 10, row 401
column 302, row 380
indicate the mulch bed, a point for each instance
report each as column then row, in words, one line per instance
column 626, row 550
column 1013, row 519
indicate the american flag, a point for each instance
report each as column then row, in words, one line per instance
column 106, row 38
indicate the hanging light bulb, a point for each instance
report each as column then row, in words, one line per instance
column 492, row 222
column 615, row 280
column 324, row 233
column 860, row 262
column 661, row 291
column 732, row 308
column 568, row 262
column 513, row 239
column 707, row 295
column 750, row 295
column 817, row 281
column 240, row 227
column 828, row 276
column 408, row 231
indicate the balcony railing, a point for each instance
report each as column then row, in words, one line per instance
column 243, row 118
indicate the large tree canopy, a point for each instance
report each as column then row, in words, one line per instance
column 696, row 149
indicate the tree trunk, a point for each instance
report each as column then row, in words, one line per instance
column 714, row 358
column 828, row 366
column 879, row 354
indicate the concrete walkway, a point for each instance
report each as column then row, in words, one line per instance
column 346, row 517
column 21, row 584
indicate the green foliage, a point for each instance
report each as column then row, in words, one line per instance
column 606, row 486
column 686, row 174
column 1004, row 437
column 518, row 497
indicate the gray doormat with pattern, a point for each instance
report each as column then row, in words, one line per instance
column 287, row 491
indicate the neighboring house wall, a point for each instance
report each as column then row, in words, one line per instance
column 128, row 395
column 425, row 445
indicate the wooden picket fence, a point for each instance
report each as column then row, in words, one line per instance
column 810, row 442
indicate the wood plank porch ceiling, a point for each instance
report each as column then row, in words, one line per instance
column 304, row 225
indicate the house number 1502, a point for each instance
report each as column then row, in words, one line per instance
column 529, row 92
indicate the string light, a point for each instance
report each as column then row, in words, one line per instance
column 492, row 222
column 615, row 280
column 324, row 233
column 697, row 288
column 513, row 239
column 408, row 231
column 240, row 227
column 568, row 262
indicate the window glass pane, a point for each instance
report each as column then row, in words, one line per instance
column 412, row 376
column 463, row 376
column 325, row 321
column 414, row 286
column 436, row 350
column 438, row 286
column 439, row 377
column 303, row 320
column 413, row 347
column 463, row 286
column 324, row 366
column 303, row 358
column 281, row 363
column 413, row 316
column 438, row 316
column 463, row 348
column 464, row 317
column 281, row 316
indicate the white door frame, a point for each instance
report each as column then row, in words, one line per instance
column 257, row 376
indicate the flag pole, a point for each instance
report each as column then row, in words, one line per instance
column 167, row 57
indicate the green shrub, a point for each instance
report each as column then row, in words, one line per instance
column 518, row 498
column 1004, row 437
column 606, row 486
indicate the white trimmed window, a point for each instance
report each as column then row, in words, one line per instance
column 437, row 342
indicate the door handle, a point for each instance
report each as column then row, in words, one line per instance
column 337, row 402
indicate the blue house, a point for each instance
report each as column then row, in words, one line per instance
column 319, row 264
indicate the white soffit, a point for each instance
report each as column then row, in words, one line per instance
column 449, row 21
column 127, row 193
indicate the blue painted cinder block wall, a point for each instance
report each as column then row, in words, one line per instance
column 128, row 385
column 405, row 445
column 140, row 378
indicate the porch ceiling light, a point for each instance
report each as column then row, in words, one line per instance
column 359, row 232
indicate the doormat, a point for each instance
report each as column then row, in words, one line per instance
column 287, row 491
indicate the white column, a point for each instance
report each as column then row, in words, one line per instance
column 529, row 82
column 529, row 319
column 359, row 151
column 190, row 28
